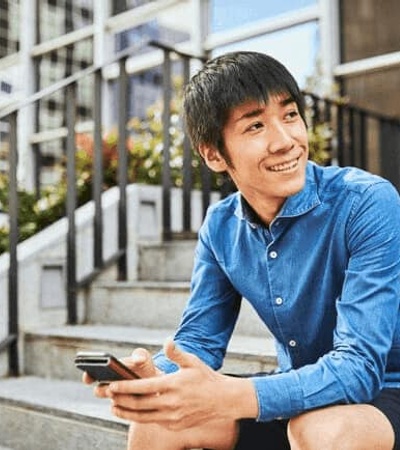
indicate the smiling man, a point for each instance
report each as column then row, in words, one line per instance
column 315, row 250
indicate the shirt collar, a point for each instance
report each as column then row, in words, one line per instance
column 296, row 205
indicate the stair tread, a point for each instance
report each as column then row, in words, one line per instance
column 65, row 398
column 145, row 284
column 240, row 344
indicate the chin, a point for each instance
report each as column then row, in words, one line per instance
column 295, row 186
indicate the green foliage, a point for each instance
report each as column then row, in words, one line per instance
column 318, row 140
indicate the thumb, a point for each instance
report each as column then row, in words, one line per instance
column 141, row 363
column 178, row 356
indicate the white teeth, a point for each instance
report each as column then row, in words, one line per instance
column 284, row 167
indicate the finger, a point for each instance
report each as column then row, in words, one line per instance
column 142, row 387
column 137, row 402
column 141, row 363
column 102, row 390
column 87, row 379
column 181, row 358
column 138, row 416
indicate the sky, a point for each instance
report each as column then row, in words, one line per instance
column 297, row 48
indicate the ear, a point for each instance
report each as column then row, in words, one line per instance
column 213, row 158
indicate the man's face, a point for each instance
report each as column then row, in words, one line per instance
column 267, row 148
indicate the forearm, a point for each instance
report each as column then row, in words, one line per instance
column 238, row 397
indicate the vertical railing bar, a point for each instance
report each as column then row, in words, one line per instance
column 327, row 118
column 340, row 137
column 187, row 163
column 122, row 168
column 71, row 204
column 363, row 141
column 98, row 172
column 13, row 323
column 352, row 143
column 205, row 174
column 36, row 148
column 315, row 109
column 166, row 175
column 328, row 110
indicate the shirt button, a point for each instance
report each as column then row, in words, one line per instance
column 273, row 255
column 279, row 300
column 292, row 343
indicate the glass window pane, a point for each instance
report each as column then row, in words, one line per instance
column 58, row 17
column 297, row 48
column 241, row 12
column 9, row 27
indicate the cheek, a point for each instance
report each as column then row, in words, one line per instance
column 300, row 133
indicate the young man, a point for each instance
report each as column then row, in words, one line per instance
column 315, row 250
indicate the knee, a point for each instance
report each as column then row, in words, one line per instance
column 306, row 433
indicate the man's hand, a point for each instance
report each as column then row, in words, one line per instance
column 140, row 362
column 193, row 395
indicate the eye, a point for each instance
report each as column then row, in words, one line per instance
column 254, row 126
column 291, row 115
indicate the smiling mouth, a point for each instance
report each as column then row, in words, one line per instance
column 285, row 167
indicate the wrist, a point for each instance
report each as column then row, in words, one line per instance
column 242, row 398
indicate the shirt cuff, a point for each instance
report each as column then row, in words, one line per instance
column 279, row 396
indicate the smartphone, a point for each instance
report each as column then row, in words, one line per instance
column 103, row 367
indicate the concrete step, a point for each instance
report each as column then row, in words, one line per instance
column 50, row 352
column 152, row 304
column 145, row 303
column 44, row 414
column 166, row 261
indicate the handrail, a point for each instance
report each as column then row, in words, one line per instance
column 10, row 113
column 346, row 105
column 45, row 92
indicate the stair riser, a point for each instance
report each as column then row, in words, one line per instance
column 171, row 261
column 23, row 429
column 155, row 308
column 54, row 357
column 41, row 353
column 136, row 307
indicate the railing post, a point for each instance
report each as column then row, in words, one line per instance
column 98, row 173
column 351, row 136
column 166, row 174
column 13, row 323
column 122, row 168
column 362, row 133
column 340, row 135
column 71, row 204
column 389, row 150
column 187, row 164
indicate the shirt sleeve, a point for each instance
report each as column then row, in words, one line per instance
column 367, row 314
column 211, row 312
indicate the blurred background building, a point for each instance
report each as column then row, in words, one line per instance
column 342, row 48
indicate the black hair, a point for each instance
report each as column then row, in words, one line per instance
column 228, row 81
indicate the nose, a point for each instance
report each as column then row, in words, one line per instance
column 280, row 139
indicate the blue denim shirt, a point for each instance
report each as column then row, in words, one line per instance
column 324, row 278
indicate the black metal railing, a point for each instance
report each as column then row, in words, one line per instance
column 187, row 157
column 356, row 137
column 10, row 115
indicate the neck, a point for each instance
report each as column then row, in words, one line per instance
column 266, row 211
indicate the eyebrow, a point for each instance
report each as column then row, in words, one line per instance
column 257, row 111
